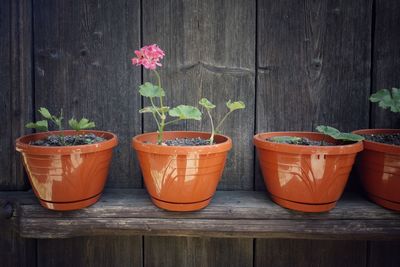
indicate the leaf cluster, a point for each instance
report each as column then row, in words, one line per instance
column 387, row 99
column 182, row 112
column 43, row 125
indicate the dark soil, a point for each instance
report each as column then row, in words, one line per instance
column 307, row 142
column 187, row 142
column 391, row 139
column 69, row 140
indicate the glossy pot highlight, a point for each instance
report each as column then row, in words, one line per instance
column 68, row 177
column 305, row 178
column 379, row 169
column 181, row 178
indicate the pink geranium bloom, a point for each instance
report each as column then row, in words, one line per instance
column 149, row 56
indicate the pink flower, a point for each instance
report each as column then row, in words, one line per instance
column 148, row 56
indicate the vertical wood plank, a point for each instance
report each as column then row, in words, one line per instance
column 182, row 251
column 82, row 64
column 94, row 251
column 313, row 65
column 15, row 87
column 308, row 253
column 384, row 254
column 14, row 250
column 209, row 53
column 386, row 59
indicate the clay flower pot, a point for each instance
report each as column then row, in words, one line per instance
column 69, row 177
column 379, row 170
column 305, row 178
column 181, row 178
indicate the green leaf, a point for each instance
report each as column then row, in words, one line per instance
column 45, row 113
column 184, row 112
column 206, row 103
column 235, row 105
column 350, row 137
column 332, row 132
column 147, row 110
column 336, row 134
column 150, row 90
column 285, row 139
column 74, row 124
column 81, row 125
column 387, row 99
column 151, row 109
column 39, row 125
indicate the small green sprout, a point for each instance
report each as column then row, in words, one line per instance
column 387, row 99
column 232, row 106
column 83, row 124
column 336, row 134
column 43, row 125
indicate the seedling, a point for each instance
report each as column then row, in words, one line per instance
column 387, row 99
column 83, row 124
column 336, row 134
column 43, row 125
column 149, row 57
column 232, row 106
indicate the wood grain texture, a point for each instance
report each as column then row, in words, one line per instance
column 313, row 65
column 183, row 251
column 82, row 64
column 14, row 250
column 15, row 87
column 231, row 214
column 309, row 253
column 384, row 254
column 386, row 59
column 135, row 203
column 210, row 53
column 94, row 251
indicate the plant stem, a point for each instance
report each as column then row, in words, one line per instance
column 161, row 131
column 223, row 119
column 60, row 127
column 155, row 118
column 159, row 85
column 155, row 107
column 162, row 115
column 173, row 121
column 212, row 127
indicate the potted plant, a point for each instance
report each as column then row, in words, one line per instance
column 181, row 169
column 307, row 171
column 66, row 168
column 379, row 164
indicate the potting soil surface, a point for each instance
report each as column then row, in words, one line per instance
column 69, row 140
column 391, row 139
column 187, row 142
column 305, row 142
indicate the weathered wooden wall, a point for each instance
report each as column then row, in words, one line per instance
column 296, row 64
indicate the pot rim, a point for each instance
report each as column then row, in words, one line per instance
column 260, row 142
column 22, row 143
column 138, row 144
column 376, row 146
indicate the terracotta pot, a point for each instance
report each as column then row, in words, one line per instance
column 379, row 170
column 181, row 178
column 69, row 177
column 305, row 178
